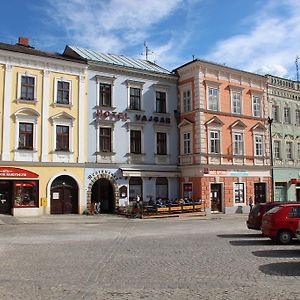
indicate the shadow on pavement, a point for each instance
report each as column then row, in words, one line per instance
column 277, row 253
column 251, row 243
column 239, row 235
column 281, row 269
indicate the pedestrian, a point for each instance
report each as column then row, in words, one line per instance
column 250, row 203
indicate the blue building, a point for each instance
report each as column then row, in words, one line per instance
column 132, row 130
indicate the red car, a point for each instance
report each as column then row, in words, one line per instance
column 281, row 222
column 257, row 212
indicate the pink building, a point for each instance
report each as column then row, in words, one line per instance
column 224, row 136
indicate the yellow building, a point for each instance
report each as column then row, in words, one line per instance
column 43, row 100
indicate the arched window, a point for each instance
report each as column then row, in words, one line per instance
column 135, row 188
column 162, row 188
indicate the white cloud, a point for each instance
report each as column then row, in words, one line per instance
column 109, row 26
column 270, row 46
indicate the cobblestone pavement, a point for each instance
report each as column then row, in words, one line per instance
column 194, row 258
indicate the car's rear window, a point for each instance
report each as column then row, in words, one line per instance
column 273, row 210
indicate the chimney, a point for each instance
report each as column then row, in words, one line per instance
column 23, row 41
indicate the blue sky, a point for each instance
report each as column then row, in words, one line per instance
column 261, row 36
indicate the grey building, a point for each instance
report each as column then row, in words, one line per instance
column 132, row 130
column 284, row 100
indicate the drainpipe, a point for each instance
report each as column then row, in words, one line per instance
column 270, row 121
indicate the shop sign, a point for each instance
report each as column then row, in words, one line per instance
column 16, row 172
column 294, row 181
column 239, row 173
column 102, row 172
column 214, row 172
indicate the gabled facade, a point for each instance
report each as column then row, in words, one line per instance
column 224, row 137
column 132, row 131
column 284, row 98
column 43, row 131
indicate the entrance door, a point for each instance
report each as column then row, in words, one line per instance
column 64, row 196
column 216, row 197
column 298, row 193
column 5, row 197
column 102, row 191
column 260, row 193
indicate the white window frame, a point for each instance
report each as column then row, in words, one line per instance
column 136, row 127
column 258, row 145
column 244, row 192
column 162, row 89
column 279, row 149
column 62, row 79
column 298, row 150
column 26, row 119
column 186, row 99
column 219, row 140
column 297, row 116
column 184, row 140
column 214, row 97
column 63, row 122
column 138, row 85
column 112, row 141
column 106, row 80
column 242, row 148
column 235, row 101
column 20, row 87
column 162, row 129
column 257, row 105
column 286, row 150
column 289, row 115
column 275, row 108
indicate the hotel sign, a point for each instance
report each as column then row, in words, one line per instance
column 16, row 172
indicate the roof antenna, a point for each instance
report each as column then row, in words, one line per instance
column 147, row 51
column 297, row 67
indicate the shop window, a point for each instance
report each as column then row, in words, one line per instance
column 162, row 188
column 239, row 193
column 187, row 191
column 25, row 193
column 135, row 188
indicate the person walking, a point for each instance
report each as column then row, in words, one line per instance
column 250, row 203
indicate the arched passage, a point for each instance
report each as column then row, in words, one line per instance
column 104, row 179
column 102, row 191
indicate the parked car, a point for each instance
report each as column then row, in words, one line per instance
column 281, row 222
column 298, row 231
column 259, row 209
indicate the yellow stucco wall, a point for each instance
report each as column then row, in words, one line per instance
column 2, row 70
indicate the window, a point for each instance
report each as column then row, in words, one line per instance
column 187, row 143
column 135, row 188
column 105, row 139
column 298, row 150
column 297, row 117
column 239, row 193
column 287, row 115
column 105, row 94
column 236, row 103
column 275, row 113
column 288, row 150
column 63, row 92
column 25, row 193
column 62, row 138
column 258, row 145
column 277, row 150
column 214, row 142
column 135, row 141
column 160, row 102
column 162, row 188
column 26, row 136
column 135, row 98
column 294, row 212
column 256, row 106
column 161, row 143
column 238, row 144
column 213, row 99
column 27, row 87
column 187, row 101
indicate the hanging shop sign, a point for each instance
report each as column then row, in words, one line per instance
column 16, row 172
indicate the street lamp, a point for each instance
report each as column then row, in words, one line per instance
column 270, row 121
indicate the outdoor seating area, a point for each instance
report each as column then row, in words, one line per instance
column 162, row 207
